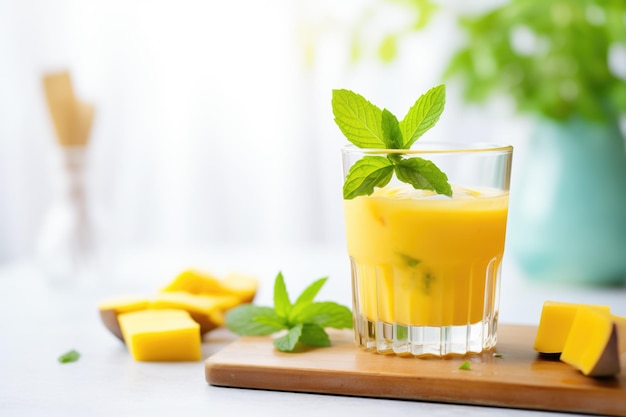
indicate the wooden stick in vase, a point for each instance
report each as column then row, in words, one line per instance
column 71, row 117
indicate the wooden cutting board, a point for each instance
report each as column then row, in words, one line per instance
column 517, row 378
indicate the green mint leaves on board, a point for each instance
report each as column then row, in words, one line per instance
column 304, row 320
column 71, row 356
column 367, row 126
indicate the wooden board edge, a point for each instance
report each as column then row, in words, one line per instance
column 390, row 387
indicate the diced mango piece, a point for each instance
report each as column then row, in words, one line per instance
column 206, row 310
column 202, row 296
column 592, row 344
column 111, row 308
column 161, row 335
column 555, row 323
column 242, row 286
column 194, row 282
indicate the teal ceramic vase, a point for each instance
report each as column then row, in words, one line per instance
column 567, row 216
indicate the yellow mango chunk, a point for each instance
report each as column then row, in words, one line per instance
column 241, row 286
column 206, row 310
column 196, row 282
column 161, row 335
column 111, row 308
column 555, row 324
column 593, row 344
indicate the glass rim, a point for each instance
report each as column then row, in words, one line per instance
column 433, row 148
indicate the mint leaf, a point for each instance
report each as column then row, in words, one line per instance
column 358, row 119
column 465, row 366
column 306, row 298
column 423, row 174
column 366, row 126
column 305, row 320
column 327, row 314
column 367, row 173
column 288, row 342
column 314, row 335
column 391, row 131
column 251, row 320
column 282, row 305
column 423, row 115
column 310, row 292
column 272, row 321
column 68, row 357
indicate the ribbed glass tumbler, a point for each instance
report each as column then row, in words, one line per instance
column 426, row 267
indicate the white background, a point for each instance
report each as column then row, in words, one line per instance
column 213, row 119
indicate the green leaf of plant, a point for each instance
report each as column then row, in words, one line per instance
column 423, row 115
column 306, row 298
column 288, row 342
column 391, row 131
column 425, row 9
column 251, row 320
column 314, row 335
column 326, row 314
column 282, row 305
column 423, row 174
column 271, row 321
column 358, row 119
column 311, row 291
column 68, row 357
column 367, row 173
column 388, row 49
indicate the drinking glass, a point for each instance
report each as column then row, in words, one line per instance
column 426, row 267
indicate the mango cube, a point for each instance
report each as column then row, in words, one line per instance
column 196, row 282
column 592, row 345
column 193, row 282
column 241, row 286
column 206, row 310
column 111, row 308
column 555, row 324
column 161, row 335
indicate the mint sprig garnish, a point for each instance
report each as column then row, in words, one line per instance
column 304, row 320
column 367, row 126
column 367, row 173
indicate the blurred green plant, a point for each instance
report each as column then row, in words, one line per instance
column 421, row 12
column 551, row 57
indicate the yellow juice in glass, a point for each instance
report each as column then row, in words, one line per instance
column 425, row 268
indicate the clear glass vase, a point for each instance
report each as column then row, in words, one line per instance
column 67, row 246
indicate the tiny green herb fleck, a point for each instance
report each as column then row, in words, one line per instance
column 428, row 279
column 497, row 355
column 71, row 356
column 410, row 261
column 402, row 332
column 367, row 126
column 304, row 320
column 465, row 366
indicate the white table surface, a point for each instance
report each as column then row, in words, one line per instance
column 40, row 321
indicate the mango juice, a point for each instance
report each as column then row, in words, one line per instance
column 425, row 260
